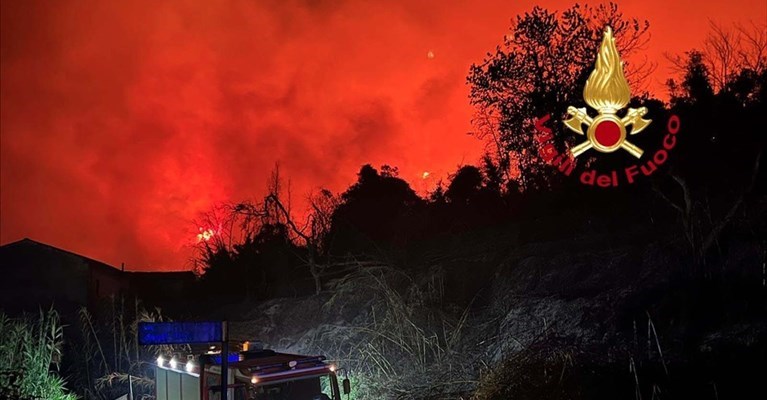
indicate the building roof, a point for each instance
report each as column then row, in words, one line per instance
column 99, row 264
column 27, row 242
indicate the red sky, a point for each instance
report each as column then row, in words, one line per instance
column 121, row 121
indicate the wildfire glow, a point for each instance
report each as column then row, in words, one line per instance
column 205, row 234
column 425, row 174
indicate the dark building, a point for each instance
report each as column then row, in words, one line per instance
column 171, row 291
column 36, row 275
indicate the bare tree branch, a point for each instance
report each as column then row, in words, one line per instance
column 714, row 233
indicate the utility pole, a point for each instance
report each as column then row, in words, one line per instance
column 225, row 361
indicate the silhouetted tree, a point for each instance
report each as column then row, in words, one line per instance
column 730, row 51
column 494, row 176
column 264, row 250
column 720, row 156
column 696, row 86
column 541, row 68
column 466, row 185
column 732, row 58
column 373, row 212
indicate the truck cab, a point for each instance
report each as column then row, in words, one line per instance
column 254, row 374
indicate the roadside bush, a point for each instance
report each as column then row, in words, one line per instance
column 30, row 355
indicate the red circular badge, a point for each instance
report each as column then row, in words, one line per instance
column 607, row 133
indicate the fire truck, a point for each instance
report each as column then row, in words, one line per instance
column 253, row 373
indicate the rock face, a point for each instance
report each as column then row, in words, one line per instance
column 552, row 320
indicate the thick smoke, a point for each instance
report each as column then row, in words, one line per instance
column 123, row 120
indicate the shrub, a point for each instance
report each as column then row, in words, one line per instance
column 30, row 355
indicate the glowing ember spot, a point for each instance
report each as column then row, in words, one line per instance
column 205, row 234
column 425, row 174
column 430, row 55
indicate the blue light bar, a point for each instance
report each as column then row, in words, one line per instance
column 156, row 333
column 233, row 358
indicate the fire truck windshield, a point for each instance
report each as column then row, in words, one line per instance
column 322, row 387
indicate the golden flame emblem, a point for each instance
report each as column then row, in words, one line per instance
column 607, row 91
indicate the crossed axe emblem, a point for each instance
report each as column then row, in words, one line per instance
column 606, row 132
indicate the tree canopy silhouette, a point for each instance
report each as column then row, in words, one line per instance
column 465, row 185
column 706, row 184
column 720, row 160
column 375, row 209
column 541, row 68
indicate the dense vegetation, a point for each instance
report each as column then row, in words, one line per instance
column 656, row 288
column 30, row 353
column 713, row 176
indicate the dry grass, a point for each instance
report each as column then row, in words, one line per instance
column 406, row 345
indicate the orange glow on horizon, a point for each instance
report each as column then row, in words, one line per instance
column 126, row 120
